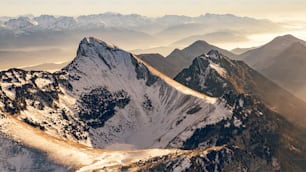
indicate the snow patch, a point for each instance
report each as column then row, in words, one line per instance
column 216, row 114
column 237, row 122
column 43, row 82
column 218, row 69
column 241, row 102
column 184, row 165
column 123, row 158
column 8, row 91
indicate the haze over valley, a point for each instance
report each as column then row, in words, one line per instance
column 33, row 40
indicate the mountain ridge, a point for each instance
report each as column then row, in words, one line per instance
column 179, row 59
column 281, row 61
column 248, row 81
column 277, row 44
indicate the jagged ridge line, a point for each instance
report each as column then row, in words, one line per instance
column 179, row 87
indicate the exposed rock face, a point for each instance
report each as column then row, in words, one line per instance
column 261, row 133
column 215, row 74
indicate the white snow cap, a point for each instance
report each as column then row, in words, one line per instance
column 94, row 47
column 97, row 42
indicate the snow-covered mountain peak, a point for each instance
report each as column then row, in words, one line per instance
column 209, row 72
column 212, row 57
column 20, row 23
column 91, row 47
column 214, row 54
column 95, row 53
column 97, row 42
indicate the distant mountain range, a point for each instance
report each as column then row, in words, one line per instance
column 133, row 32
column 161, row 25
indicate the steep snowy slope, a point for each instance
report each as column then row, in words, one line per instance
column 81, row 158
column 149, row 111
column 106, row 97
column 45, row 150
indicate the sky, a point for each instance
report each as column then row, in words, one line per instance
column 277, row 10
